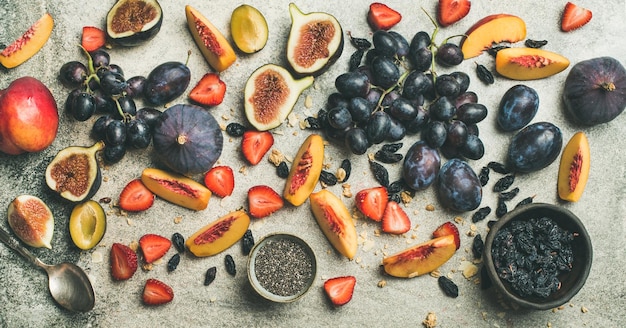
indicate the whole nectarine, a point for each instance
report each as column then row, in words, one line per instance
column 29, row 117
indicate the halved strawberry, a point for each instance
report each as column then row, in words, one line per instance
column 263, row 201
column 156, row 292
column 340, row 289
column 123, row 262
column 136, row 197
column 447, row 229
column 93, row 38
column 372, row 202
column 452, row 11
column 381, row 17
column 574, row 17
column 209, row 91
column 153, row 247
column 220, row 180
column 395, row 220
column 255, row 145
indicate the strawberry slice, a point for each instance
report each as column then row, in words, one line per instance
column 220, row 180
column 452, row 11
column 123, row 262
column 263, row 201
column 574, row 17
column 93, row 38
column 156, row 292
column 255, row 145
column 340, row 289
column 153, row 247
column 381, row 17
column 136, row 197
column 372, row 202
column 209, row 91
column 447, row 229
column 395, row 220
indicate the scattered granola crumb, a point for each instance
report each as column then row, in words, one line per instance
column 129, row 222
column 405, row 196
column 382, row 283
column 134, row 245
column 435, row 274
column 304, row 124
column 213, row 299
column 225, row 117
column 484, row 315
column 308, row 101
column 430, row 207
column 340, row 174
column 584, row 309
column 561, row 307
column 178, row 219
column 459, row 220
column 105, row 179
column 549, row 325
column 276, row 157
column 147, row 267
column 96, row 257
column 357, row 260
column 243, row 170
column 346, row 191
column 430, row 321
column 222, row 126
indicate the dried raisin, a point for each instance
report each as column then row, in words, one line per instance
column 346, row 165
column 282, row 170
column 172, row 264
column 360, row 43
column 229, row 262
column 509, row 194
column 395, row 197
column 483, row 176
column 501, row 209
column 313, row 123
column 448, row 286
column 493, row 51
column 387, row 157
column 535, row 43
column 498, row 167
column 392, row 147
column 179, row 242
column 247, row 242
column 396, row 186
column 355, row 59
column 478, row 245
column 328, row 178
column 484, row 74
column 235, row 129
column 481, row 214
column 525, row 201
column 210, row 275
column 504, row 183
column 380, row 173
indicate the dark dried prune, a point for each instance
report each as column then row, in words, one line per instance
column 535, row 43
column 210, row 275
column 481, row 214
column 483, row 176
column 478, row 245
column 328, row 178
column 498, row 167
column 387, row 157
column 380, row 173
column 247, row 242
column 355, row 59
column 525, row 201
column 360, row 43
column 392, row 147
column 346, row 165
column 235, row 129
column 506, row 196
column 179, row 242
column 282, row 170
column 448, row 286
column 172, row 264
column 229, row 262
column 501, row 209
column 504, row 183
column 484, row 74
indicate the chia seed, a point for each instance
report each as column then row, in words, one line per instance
column 283, row 267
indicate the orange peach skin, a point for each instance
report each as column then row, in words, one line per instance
column 492, row 29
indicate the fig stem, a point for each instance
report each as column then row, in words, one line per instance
column 608, row 86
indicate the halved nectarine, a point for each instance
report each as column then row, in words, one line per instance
column 420, row 259
column 492, row 29
column 529, row 63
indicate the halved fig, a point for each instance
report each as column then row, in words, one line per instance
column 29, row 43
column 270, row 94
column 335, row 220
column 87, row 225
column 176, row 188
column 219, row 235
column 74, row 172
column 132, row 22
column 248, row 29
column 305, row 170
column 315, row 41
column 31, row 220
column 214, row 46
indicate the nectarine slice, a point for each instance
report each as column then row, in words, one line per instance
column 420, row 259
column 214, row 46
column 335, row 221
column 176, row 188
column 29, row 43
column 529, row 63
column 492, row 29
column 574, row 168
column 305, row 170
column 219, row 235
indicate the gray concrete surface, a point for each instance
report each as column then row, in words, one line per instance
column 229, row 301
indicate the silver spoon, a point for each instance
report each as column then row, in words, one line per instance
column 68, row 283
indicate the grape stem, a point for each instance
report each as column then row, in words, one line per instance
column 379, row 104
column 92, row 70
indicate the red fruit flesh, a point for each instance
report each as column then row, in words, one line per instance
column 220, row 180
column 156, row 292
column 340, row 289
column 372, row 202
column 93, row 38
column 452, row 11
column 574, row 17
column 263, row 201
column 255, row 145
column 448, row 229
column 395, row 220
column 123, row 262
column 209, row 91
column 381, row 17
column 154, row 247
column 136, row 197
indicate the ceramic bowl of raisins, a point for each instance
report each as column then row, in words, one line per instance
column 537, row 256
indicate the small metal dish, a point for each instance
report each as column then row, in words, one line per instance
column 277, row 277
column 571, row 282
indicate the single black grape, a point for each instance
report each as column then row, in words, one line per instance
column 402, row 109
column 360, row 109
column 442, row 109
column 113, row 153
column 396, row 131
column 464, row 98
column 115, row 133
column 449, row 54
column 82, row 106
column 100, row 58
column 151, row 116
column 473, row 147
column 385, row 72
column 421, row 59
column 418, row 123
column 385, row 43
column 403, row 44
column 138, row 134
column 435, row 134
column 112, row 83
column 415, row 85
column 456, row 133
column 72, row 74
column 447, row 86
column 355, row 139
column 134, row 86
column 377, row 127
column 339, row 118
column 98, row 130
column 353, row 84
column 471, row 113
column 128, row 107
column 104, row 104
column 462, row 79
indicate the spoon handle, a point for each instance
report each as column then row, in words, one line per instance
column 15, row 245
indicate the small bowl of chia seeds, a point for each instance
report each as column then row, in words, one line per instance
column 281, row 267
column 538, row 256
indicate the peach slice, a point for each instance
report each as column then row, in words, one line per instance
column 176, row 188
column 529, row 63
column 574, row 168
column 214, row 46
column 31, row 220
column 219, row 235
column 305, row 170
column 492, row 29
column 420, row 259
column 335, row 221
column 29, row 43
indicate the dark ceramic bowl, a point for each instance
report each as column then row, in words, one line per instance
column 571, row 282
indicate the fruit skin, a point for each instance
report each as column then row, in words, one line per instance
column 335, row 220
column 395, row 220
column 529, row 63
column 421, row 166
column 574, row 17
column 270, row 94
column 154, row 247
column 382, row 17
column 123, row 262
column 340, row 289
column 534, row 147
column 219, row 235
column 574, row 168
column 220, row 180
column 491, row 29
column 135, row 197
column 305, row 170
column 448, row 229
column 87, row 224
column 142, row 30
column 517, row 107
column 255, row 144
column 176, row 188
column 420, row 259
column 29, row 117
column 187, row 139
column 209, row 91
column 215, row 48
column 372, row 202
column 263, row 201
column 452, row 11
column 156, row 292
column 248, row 29
column 595, row 90
column 29, row 43
column 166, row 82
column 458, row 187
column 92, row 38
column 31, row 220
column 75, row 166
column 303, row 53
